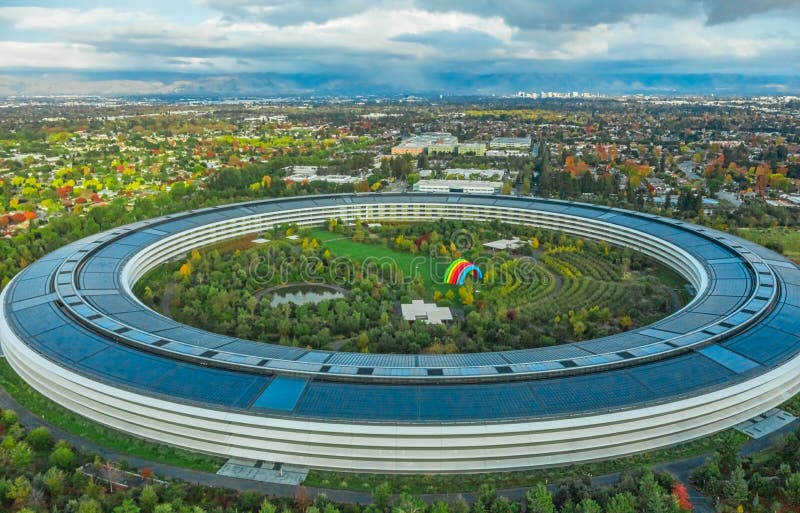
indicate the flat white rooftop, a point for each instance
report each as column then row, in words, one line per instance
column 504, row 244
column 429, row 313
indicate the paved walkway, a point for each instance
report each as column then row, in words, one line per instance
column 682, row 469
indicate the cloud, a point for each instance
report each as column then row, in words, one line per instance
column 15, row 54
column 291, row 12
column 381, row 41
column 724, row 11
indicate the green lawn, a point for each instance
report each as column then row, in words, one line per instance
column 411, row 265
column 94, row 432
column 788, row 238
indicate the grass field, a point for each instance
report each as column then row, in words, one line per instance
column 411, row 265
column 787, row 238
column 87, row 429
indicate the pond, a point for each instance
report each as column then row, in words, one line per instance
column 304, row 293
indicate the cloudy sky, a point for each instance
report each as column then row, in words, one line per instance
column 152, row 44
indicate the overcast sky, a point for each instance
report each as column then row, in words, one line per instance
column 404, row 40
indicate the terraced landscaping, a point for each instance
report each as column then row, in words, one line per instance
column 552, row 289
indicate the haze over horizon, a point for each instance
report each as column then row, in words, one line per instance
column 270, row 47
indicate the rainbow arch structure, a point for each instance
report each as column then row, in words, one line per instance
column 459, row 270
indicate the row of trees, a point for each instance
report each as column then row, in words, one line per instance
column 40, row 475
column 767, row 482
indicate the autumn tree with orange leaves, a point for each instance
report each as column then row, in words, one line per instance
column 575, row 166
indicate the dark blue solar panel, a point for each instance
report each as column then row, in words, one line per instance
column 263, row 350
column 584, row 212
column 353, row 401
column 177, row 225
column 139, row 239
column 617, row 342
column 99, row 281
column 117, row 251
column 178, row 379
column 546, row 207
column 789, row 320
column 686, row 239
column 680, row 374
column 545, row 353
column 719, row 305
column 658, row 229
column 70, row 342
column 195, row 337
column 101, row 264
column 281, row 394
column 764, row 344
column 729, row 359
column 709, row 251
column 26, row 289
column 632, row 222
column 792, row 294
column 729, row 287
column 729, row 271
column 113, row 304
column 684, row 322
column 40, row 268
column 40, row 318
column 790, row 275
column 146, row 321
column 472, row 402
column 581, row 393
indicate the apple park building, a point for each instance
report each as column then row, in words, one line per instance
column 72, row 328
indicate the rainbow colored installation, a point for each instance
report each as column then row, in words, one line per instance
column 459, row 270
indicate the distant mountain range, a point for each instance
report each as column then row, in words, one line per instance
column 447, row 83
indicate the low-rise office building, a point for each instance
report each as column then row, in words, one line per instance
column 458, row 186
column 510, row 143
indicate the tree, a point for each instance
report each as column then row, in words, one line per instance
column 440, row 507
column 53, row 480
column 407, row 503
column 185, row 270
column 588, row 506
column 301, row 498
column 62, row 456
column 735, row 489
column 267, row 507
column 21, row 455
column 40, row 439
column 19, row 490
column 381, row 495
column 503, row 505
column 621, row 503
column 726, row 445
column 127, row 506
column 539, row 500
column 146, row 473
column 681, row 496
column 792, row 488
column 148, row 499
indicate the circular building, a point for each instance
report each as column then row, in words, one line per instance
column 71, row 327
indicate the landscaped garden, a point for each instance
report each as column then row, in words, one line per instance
column 545, row 288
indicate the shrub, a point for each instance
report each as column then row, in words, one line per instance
column 40, row 439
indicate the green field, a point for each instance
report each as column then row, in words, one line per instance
column 786, row 238
column 411, row 265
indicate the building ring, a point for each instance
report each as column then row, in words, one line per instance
column 73, row 330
